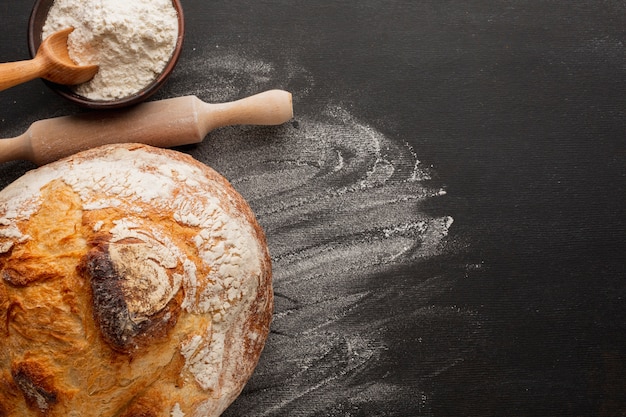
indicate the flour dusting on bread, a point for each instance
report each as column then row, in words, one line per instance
column 158, row 275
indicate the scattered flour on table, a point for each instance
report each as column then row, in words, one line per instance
column 342, row 205
column 131, row 40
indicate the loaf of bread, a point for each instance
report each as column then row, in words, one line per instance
column 134, row 281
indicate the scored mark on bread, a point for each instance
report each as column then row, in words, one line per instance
column 120, row 320
column 37, row 389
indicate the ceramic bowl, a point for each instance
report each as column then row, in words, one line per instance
column 35, row 26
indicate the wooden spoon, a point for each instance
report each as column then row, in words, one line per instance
column 52, row 62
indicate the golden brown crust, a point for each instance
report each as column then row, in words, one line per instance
column 134, row 281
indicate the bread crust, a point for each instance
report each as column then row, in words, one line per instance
column 134, row 281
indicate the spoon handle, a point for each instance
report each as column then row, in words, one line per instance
column 14, row 73
column 162, row 123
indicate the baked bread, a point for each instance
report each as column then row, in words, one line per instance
column 134, row 281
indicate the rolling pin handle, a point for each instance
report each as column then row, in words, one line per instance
column 272, row 107
column 17, row 148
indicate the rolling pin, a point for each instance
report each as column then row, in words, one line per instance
column 162, row 123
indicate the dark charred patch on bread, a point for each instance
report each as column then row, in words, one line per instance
column 119, row 327
column 11, row 277
column 110, row 311
column 35, row 385
column 4, row 310
column 24, row 271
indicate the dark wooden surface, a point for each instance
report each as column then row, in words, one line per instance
column 515, row 109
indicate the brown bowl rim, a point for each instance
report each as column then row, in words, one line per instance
column 35, row 24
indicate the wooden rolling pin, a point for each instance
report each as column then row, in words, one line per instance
column 164, row 123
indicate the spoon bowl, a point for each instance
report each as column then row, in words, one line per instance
column 51, row 62
column 38, row 17
column 59, row 67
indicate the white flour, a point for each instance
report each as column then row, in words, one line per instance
column 131, row 40
column 357, row 253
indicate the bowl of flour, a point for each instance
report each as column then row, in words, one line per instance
column 135, row 43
